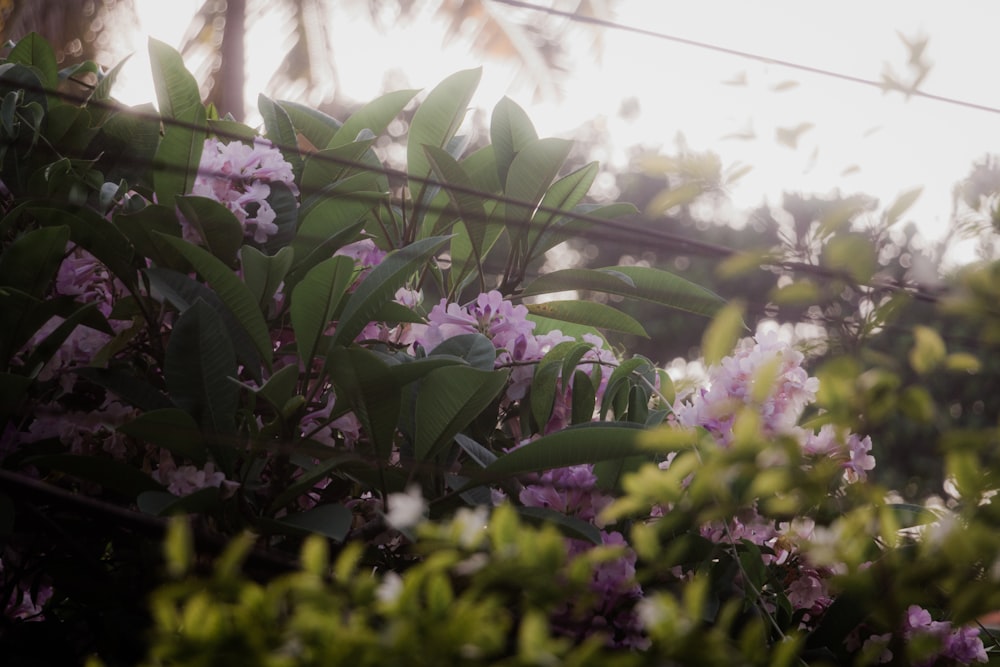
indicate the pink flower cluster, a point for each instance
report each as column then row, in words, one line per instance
column 957, row 645
column 733, row 385
column 239, row 175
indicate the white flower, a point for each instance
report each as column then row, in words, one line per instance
column 406, row 510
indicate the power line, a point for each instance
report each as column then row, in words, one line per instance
column 613, row 25
column 605, row 229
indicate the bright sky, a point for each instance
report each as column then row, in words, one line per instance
column 861, row 141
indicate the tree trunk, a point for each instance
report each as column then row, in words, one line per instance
column 232, row 70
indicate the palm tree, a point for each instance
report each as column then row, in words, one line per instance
column 86, row 30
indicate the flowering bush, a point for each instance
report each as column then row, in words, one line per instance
column 203, row 321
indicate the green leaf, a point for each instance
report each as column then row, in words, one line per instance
column 317, row 127
column 113, row 475
column 280, row 132
column 176, row 89
column 928, row 351
column 434, row 124
column 722, row 333
column 199, row 364
column 328, row 226
column 334, row 164
column 30, row 263
column 374, row 116
column 531, row 173
column 172, row 429
column 576, row 445
column 280, row 387
column 474, row 348
column 127, row 386
column 308, row 479
column 380, row 285
column 87, row 315
column 216, row 224
column 264, row 273
column 163, row 503
column 314, row 301
column 233, row 292
column 460, row 189
column 510, row 131
column 142, row 229
column 415, row 369
column 547, row 373
column 34, row 51
column 182, row 291
column 367, row 383
column 94, row 233
column 589, row 313
column 619, row 384
column 647, row 284
column 449, row 399
column 564, row 195
column 584, row 398
column 102, row 91
column 901, row 205
column 175, row 165
column 332, row 521
column 853, row 254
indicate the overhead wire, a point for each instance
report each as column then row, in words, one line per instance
column 606, row 229
column 769, row 60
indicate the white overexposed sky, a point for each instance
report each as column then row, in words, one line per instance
column 862, row 140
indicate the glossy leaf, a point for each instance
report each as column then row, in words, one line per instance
column 374, row 117
column 332, row 521
column 182, row 291
column 530, row 175
column 199, row 364
column 314, row 301
column 564, row 195
column 309, row 478
column 460, row 189
column 380, row 285
column 367, row 383
column 449, row 400
column 315, row 126
column 280, row 132
column 569, row 525
column 435, row 122
column 143, row 228
column 176, row 89
column 30, row 263
column 333, row 164
column 510, row 131
column 175, row 165
column 262, row 273
column 95, row 234
column 130, row 388
column 589, row 313
column 172, row 429
column 34, row 51
column 215, row 223
column 233, row 292
column 576, row 445
column 474, row 348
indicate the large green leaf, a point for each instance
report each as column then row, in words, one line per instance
column 29, row 264
column 330, row 224
column 113, row 475
column 368, row 384
column 564, row 194
column 87, row 315
column 170, row 428
column 314, row 301
column 589, row 313
column 182, row 291
column 510, row 131
column 461, row 190
column 333, row 164
column 308, row 479
column 176, row 89
column 547, row 374
column 332, row 521
column 571, row 526
column 127, row 386
column 175, row 165
column 34, row 51
column 317, row 127
column 530, row 175
column 199, row 365
column 653, row 285
column 233, row 292
column 449, row 399
column 143, row 228
column 280, row 132
column 94, row 233
column 576, row 445
column 576, row 223
column 475, row 348
column 218, row 227
column 264, row 273
column 380, row 285
column 374, row 117
column 434, row 124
